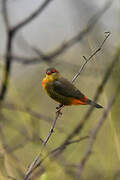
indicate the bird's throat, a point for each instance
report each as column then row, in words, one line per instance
column 44, row 82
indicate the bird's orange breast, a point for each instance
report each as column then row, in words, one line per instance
column 44, row 81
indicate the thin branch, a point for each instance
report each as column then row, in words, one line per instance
column 16, row 147
column 92, row 137
column 107, row 34
column 58, row 113
column 37, row 158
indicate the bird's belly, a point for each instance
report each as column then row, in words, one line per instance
column 58, row 97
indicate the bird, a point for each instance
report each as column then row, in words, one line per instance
column 63, row 91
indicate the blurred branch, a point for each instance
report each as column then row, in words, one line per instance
column 24, row 60
column 10, row 36
column 12, row 178
column 16, row 147
column 5, row 14
column 65, row 46
column 52, row 153
column 8, row 51
column 77, row 140
column 93, row 135
column 63, row 146
column 31, row 112
column 32, row 16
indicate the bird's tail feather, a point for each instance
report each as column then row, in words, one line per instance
column 94, row 104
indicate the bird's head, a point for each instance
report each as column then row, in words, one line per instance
column 52, row 73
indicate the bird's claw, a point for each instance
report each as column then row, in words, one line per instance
column 58, row 107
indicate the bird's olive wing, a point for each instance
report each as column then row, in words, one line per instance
column 66, row 88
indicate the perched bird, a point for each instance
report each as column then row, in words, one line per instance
column 63, row 91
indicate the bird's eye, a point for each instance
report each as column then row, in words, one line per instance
column 51, row 71
column 48, row 72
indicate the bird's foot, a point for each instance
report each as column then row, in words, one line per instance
column 59, row 109
column 59, row 106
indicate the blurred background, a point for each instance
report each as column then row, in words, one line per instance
column 27, row 112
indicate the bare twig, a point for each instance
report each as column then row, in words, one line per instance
column 93, row 135
column 58, row 113
column 37, row 158
column 107, row 34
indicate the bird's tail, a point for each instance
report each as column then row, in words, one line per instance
column 94, row 104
